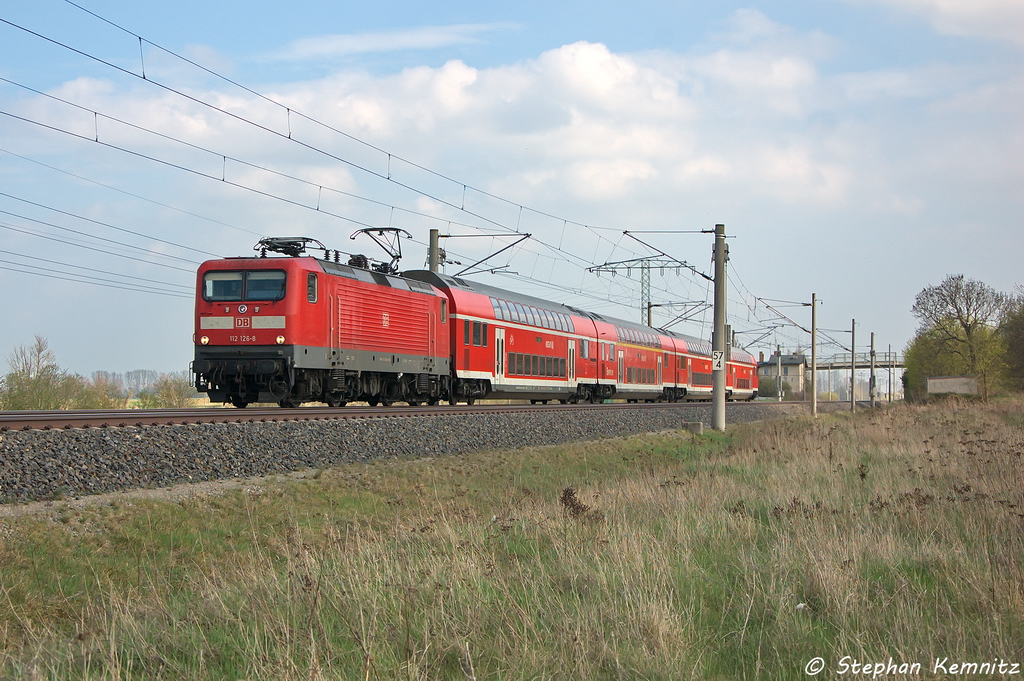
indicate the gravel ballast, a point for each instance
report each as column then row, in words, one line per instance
column 40, row 465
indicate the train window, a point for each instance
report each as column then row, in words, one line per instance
column 535, row 368
column 444, row 311
column 222, row 286
column 311, row 287
column 520, row 313
column 249, row 285
column 549, row 320
column 476, row 334
column 265, row 284
column 496, row 308
column 503, row 307
column 561, row 367
column 519, row 363
column 465, row 332
column 484, row 334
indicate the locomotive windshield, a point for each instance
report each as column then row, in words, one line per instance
column 248, row 285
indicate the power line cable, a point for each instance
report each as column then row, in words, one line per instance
column 84, row 279
column 90, row 248
column 92, row 269
column 291, row 138
column 127, row 193
column 114, row 227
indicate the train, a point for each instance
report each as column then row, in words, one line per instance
column 287, row 327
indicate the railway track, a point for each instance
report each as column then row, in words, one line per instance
column 113, row 418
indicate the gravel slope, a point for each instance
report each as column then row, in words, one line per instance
column 40, row 465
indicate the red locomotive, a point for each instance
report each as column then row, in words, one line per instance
column 297, row 328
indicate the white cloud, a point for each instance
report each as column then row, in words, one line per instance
column 420, row 38
column 990, row 19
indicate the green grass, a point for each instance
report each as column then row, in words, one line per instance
column 738, row 556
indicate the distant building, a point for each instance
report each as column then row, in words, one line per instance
column 794, row 371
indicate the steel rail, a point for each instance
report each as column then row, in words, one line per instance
column 110, row 418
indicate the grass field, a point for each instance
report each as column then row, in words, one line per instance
column 891, row 534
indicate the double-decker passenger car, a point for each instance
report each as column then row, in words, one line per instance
column 511, row 346
column 296, row 329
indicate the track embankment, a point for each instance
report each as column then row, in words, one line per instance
column 52, row 464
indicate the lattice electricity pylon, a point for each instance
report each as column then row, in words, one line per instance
column 644, row 265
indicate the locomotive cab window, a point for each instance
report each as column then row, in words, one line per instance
column 265, row 284
column 248, row 285
column 311, row 287
column 222, row 286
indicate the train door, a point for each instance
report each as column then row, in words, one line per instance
column 499, row 354
column 339, row 319
column 332, row 322
column 432, row 334
column 571, row 364
column 660, row 366
column 622, row 366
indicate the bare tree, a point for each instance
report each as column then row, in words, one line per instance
column 138, row 380
column 963, row 314
column 35, row 381
column 170, row 391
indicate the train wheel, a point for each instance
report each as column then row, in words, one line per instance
column 413, row 403
column 470, row 401
column 239, row 403
column 433, row 401
column 335, row 401
column 372, row 401
column 287, row 404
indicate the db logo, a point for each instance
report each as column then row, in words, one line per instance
column 385, row 319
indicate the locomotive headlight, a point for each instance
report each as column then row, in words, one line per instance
column 280, row 340
column 204, row 340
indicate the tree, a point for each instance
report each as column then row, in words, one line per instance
column 105, row 391
column 1011, row 329
column 138, row 380
column 35, row 381
column 960, row 316
column 170, row 391
column 925, row 357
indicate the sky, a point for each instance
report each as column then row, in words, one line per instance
column 859, row 150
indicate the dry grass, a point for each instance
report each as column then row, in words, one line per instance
column 895, row 533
